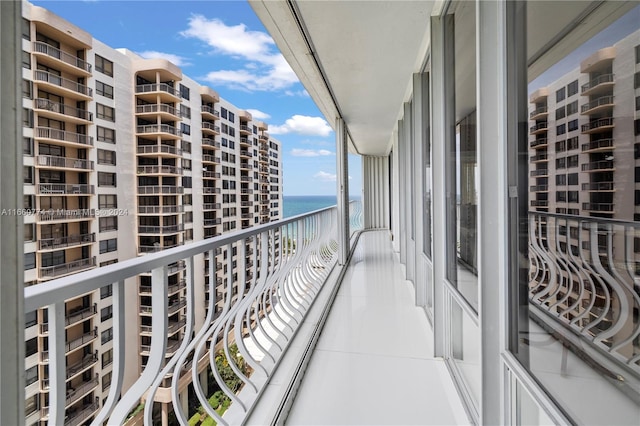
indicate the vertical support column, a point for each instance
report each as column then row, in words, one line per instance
column 11, row 229
column 57, row 364
column 342, row 172
column 441, row 85
column 394, row 193
column 419, row 141
column 492, row 215
column 410, row 271
column 375, row 184
column 402, row 193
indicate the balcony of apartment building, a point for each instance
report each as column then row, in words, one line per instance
column 57, row 84
column 539, row 128
column 165, row 129
column 155, row 169
column 539, row 112
column 66, row 241
column 209, row 112
column 55, row 108
column 152, row 244
column 245, row 153
column 64, row 137
column 210, row 188
column 155, row 209
column 539, row 143
column 210, row 128
column 210, row 203
column 63, row 57
column 210, row 143
column 208, row 159
column 598, row 125
column 245, row 129
column 63, row 163
column 167, row 112
column 246, row 142
column 166, row 148
column 209, row 98
column 157, row 88
column 58, row 267
column 540, row 157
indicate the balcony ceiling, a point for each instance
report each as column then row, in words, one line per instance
column 367, row 51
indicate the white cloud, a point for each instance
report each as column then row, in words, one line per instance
column 265, row 68
column 175, row 59
column 325, row 177
column 258, row 115
column 296, row 152
column 302, row 125
column 302, row 93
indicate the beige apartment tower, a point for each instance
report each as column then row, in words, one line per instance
column 124, row 156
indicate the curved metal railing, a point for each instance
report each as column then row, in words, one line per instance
column 254, row 308
column 584, row 284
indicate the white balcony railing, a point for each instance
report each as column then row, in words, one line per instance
column 260, row 312
column 595, row 308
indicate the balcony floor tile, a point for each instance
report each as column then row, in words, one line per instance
column 373, row 363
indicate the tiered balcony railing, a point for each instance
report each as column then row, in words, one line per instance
column 210, row 110
column 160, row 209
column 155, row 87
column 210, row 126
column 159, row 128
column 596, row 125
column 602, row 79
column 583, row 288
column 159, row 149
column 65, row 188
column 157, row 108
column 162, row 229
column 154, row 170
column 54, row 52
column 600, row 144
column 210, row 142
column 161, row 189
column 54, row 161
column 539, row 127
column 60, row 108
column 59, row 214
column 538, row 112
column 279, row 292
column 601, row 101
column 63, row 135
column 67, row 241
column 65, row 83
column 67, row 268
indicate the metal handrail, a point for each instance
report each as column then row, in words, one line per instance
column 54, row 52
column 267, row 290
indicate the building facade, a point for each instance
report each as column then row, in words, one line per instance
column 125, row 156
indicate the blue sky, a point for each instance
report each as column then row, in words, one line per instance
column 223, row 44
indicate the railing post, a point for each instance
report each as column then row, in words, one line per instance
column 57, row 364
column 11, row 229
column 342, row 191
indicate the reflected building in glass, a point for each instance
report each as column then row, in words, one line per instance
column 584, row 239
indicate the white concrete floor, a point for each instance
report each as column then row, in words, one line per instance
column 374, row 361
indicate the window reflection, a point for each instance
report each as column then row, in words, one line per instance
column 582, row 337
column 462, row 191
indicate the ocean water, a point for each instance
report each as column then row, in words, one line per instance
column 297, row 204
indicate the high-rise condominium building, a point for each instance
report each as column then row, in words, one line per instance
column 125, row 156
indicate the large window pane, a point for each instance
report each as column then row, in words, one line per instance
column 462, row 185
column 578, row 322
